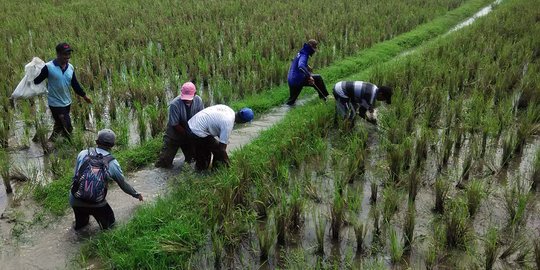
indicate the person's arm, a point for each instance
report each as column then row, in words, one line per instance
column 118, row 176
column 78, row 89
column 42, row 75
column 303, row 64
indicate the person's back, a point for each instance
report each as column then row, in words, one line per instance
column 217, row 121
column 87, row 182
column 298, row 71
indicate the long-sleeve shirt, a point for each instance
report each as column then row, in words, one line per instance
column 59, row 81
column 115, row 172
column 359, row 92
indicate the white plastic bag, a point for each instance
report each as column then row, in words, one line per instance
column 26, row 88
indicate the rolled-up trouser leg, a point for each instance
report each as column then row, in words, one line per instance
column 168, row 152
column 319, row 83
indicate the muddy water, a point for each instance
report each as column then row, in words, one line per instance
column 52, row 244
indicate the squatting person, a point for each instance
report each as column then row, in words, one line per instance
column 358, row 97
column 181, row 109
column 61, row 76
column 215, row 121
column 300, row 74
column 94, row 168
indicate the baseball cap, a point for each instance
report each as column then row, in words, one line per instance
column 106, row 137
column 246, row 114
column 188, row 91
column 63, row 48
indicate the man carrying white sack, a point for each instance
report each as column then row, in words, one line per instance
column 354, row 97
column 61, row 77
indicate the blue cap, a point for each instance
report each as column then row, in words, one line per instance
column 246, row 114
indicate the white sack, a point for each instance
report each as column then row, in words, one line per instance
column 26, row 88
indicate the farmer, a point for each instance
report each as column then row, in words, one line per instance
column 359, row 97
column 181, row 109
column 215, row 121
column 61, row 75
column 300, row 74
column 95, row 167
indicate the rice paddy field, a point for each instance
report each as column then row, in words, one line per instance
column 448, row 179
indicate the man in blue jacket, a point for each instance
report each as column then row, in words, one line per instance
column 300, row 74
column 61, row 76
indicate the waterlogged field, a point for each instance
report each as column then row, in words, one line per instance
column 449, row 178
column 131, row 63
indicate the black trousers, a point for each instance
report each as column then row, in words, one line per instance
column 320, row 87
column 104, row 216
column 62, row 122
column 204, row 149
column 170, row 148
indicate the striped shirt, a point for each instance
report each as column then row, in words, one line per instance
column 360, row 92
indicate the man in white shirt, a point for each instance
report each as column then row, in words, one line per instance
column 215, row 121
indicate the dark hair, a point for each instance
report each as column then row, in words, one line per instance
column 386, row 93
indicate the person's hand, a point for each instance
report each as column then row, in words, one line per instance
column 311, row 81
column 140, row 197
column 87, row 99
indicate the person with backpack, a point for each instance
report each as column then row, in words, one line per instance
column 181, row 109
column 215, row 121
column 94, row 168
column 300, row 74
column 358, row 97
column 61, row 76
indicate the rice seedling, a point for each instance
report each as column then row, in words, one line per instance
column 156, row 117
column 41, row 134
column 390, row 203
column 516, row 241
column 217, row 246
column 508, row 146
column 422, row 145
column 447, row 145
column 4, row 131
column 537, row 252
column 320, row 229
column 266, row 237
column 141, row 121
column 360, row 231
column 396, row 248
column 413, row 180
column 441, row 191
column 515, row 202
column 456, row 219
column 408, row 226
column 491, row 247
column 337, row 215
column 281, row 220
column 296, row 208
column 535, row 186
column 475, row 193
column 374, row 189
column 467, row 165
column 4, row 170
